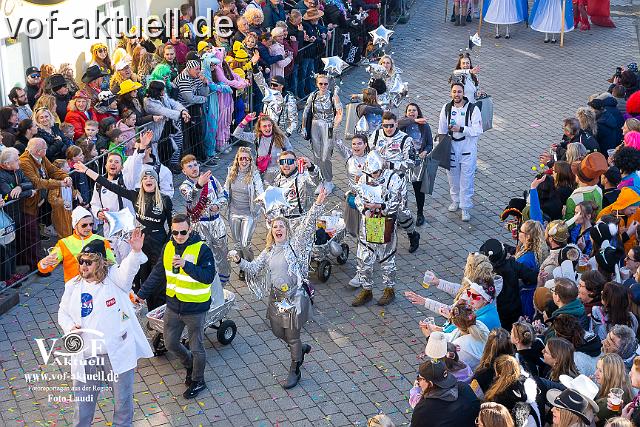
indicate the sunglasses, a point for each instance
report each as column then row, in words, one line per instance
column 287, row 161
column 102, row 50
column 34, row 76
column 473, row 296
column 89, row 224
column 323, row 84
column 86, row 262
column 275, row 85
column 244, row 159
column 388, row 126
column 181, row 232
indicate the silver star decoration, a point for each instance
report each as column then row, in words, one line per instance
column 381, row 35
column 334, row 65
column 270, row 95
column 476, row 40
column 274, row 199
column 284, row 306
column 362, row 126
column 120, row 223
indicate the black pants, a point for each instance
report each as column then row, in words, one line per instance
column 419, row 196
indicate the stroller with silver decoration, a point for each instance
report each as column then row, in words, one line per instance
column 329, row 245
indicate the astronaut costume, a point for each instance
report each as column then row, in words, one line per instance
column 395, row 150
column 282, row 110
column 300, row 196
column 282, row 271
column 464, row 152
column 324, row 109
column 243, row 210
column 368, row 254
column 355, row 166
column 208, row 224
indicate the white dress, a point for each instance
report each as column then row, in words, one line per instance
column 503, row 12
column 546, row 16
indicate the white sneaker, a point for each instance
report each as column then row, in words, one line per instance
column 453, row 207
column 355, row 282
column 466, row 215
column 318, row 188
column 329, row 186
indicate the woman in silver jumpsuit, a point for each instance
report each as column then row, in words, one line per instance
column 243, row 185
column 324, row 111
column 282, row 271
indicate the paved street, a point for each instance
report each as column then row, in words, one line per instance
column 364, row 359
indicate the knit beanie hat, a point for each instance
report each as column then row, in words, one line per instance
column 494, row 249
column 632, row 139
column 77, row 214
column 148, row 170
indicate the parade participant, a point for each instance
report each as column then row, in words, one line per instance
column 355, row 157
column 205, row 197
column 282, row 109
column 300, row 182
column 321, row 116
column 96, row 304
column 546, row 17
column 392, row 80
column 396, row 148
column 370, row 109
column 415, row 125
column 466, row 74
column 463, row 122
column 153, row 211
column 187, row 268
column 282, row 271
column 243, row 185
column 505, row 12
column 269, row 142
column 67, row 249
column 373, row 249
column 211, row 107
column 142, row 158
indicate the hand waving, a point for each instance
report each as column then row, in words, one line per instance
column 137, row 240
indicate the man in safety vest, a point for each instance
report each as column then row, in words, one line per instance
column 188, row 269
column 67, row 249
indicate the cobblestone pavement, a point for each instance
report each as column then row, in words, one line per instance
column 363, row 359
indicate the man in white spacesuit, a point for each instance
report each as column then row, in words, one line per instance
column 378, row 196
column 395, row 146
column 461, row 120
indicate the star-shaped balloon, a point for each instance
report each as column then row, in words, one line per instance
column 120, row 223
column 334, row 65
column 274, row 198
column 476, row 40
column 377, row 71
column 362, row 126
column 269, row 95
column 284, row 306
column 381, row 35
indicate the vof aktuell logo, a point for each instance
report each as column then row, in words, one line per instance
column 60, row 351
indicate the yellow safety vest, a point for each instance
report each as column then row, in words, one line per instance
column 181, row 285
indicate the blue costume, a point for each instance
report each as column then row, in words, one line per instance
column 211, row 106
column 546, row 16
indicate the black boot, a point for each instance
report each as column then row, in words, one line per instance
column 294, row 375
column 457, row 24
column 194, row 389
column 241, row 276
column 306, row 349
column 453, row 16
column 414, row 241
column 419, row 220
column 187, row 380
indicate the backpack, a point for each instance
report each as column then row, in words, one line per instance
column 470, row 108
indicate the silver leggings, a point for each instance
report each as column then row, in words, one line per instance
column 242, row 228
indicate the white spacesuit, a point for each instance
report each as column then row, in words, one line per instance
column 206, row 222
column 466, row 119
column 379, row 195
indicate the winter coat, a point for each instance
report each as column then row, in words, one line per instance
column 166, row 107
column 508, row 301
column 531, row 359
column 78, row 120
column 610, row 123
column 273, row 14
column 458, row 406
column 57, row 143
column 50, row 180
column 8, row 181
column 277, row 68
column 520, row 399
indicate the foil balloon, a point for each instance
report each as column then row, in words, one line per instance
column 398, row 91
column 381, row 35
column 121, row 223
column 362, row 126
column 334, row 65
column 377, row 71
column 284, row 306
column 269, row 95
column 274, row 199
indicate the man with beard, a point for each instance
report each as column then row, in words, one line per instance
column 33, row 87
column 20, row 100
column 462, row 121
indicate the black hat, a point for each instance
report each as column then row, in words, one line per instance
column 192, row 55
column 95, row 247
column 514, row 208
column 569, row 400
column 55, row 82
column 607, row 258
column 279, row 80
column 32, row 70
column 92, row 73
column 613, row 175
column 435, row 371
column 602, row 231
column 494, row 250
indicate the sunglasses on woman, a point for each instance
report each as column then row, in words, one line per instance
column 90, row 224
column 287, row 161
column 179, row 232
column 102, row 50
column 86, row 262
column 473, row 296
column 244, row 159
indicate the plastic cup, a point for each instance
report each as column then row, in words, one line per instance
column 610, row 152
column 428, row 277
column 615, row 399
column 429, row 320
column 625, row 273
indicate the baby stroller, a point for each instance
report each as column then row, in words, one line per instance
column 329, row 245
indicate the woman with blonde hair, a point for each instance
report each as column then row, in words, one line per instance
column 47, row 102
column 570, row 408
column 631, row 124
column 588, row 123
column 243, row 185
column 494, row 415
column 282, row 271
column 531, row 250
column 392, row 80
column 100, row 57
column 269, row 141
column 478, row 274
column 610, row 373
column 619, row 422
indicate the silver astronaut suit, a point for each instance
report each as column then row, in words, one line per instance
column 355, row 166
column 208, row 224
column 281, row 107
column 301, row 187
column 395, row 150
column 391, row 188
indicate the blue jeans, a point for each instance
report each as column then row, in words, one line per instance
column 86, row 395
column 306, row 81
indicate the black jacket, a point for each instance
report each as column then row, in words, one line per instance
column 8, row 181
column 609, row 196
column 57, row 143
column 204, row 272
column 610, row 122
column 508, row 302
column 531, row 359
column 462, row 412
